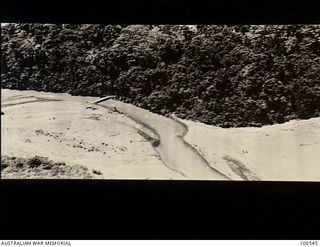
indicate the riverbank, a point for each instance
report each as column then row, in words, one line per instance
column 123, row 141
column 72, row 130
column 282, row 152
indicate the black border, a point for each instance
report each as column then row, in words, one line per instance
column 134, row 209
column 162, row 11
column 131, row 209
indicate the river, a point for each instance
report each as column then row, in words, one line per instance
column 175, row 153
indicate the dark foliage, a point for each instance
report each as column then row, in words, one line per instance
column 227, row 76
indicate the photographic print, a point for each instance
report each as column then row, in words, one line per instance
column 164, row 102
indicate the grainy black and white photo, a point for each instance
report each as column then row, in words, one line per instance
column 165, row 102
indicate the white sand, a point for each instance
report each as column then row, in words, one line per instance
column 284, row 152
column 66, row 131
column 76, row 132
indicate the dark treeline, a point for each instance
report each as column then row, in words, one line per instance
column 227, row 76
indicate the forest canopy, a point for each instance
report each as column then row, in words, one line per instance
column 228, row 76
